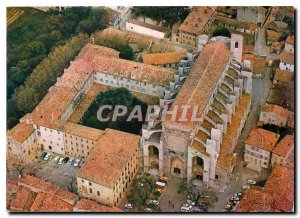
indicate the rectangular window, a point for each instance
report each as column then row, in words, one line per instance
column 91, row 191
column 98, row 193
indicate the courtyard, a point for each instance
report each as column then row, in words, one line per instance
column 63, row 175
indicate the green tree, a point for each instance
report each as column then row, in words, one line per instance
column 36, row 48
column 55, row 36
column 221, row 31
column 44, row 75
column 85, row 26
column 167, row 15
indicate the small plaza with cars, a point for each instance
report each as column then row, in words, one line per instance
column 57, row 169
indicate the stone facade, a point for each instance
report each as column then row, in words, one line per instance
column 196, row 152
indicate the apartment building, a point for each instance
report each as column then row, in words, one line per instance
column 273, row 114
column 147, row 29
column 49, row 120
column 289, row 46
column 110, row 168
column 166, row 59
column 80, row 140
column 276, row 196
column 287, row 62
column 284, row 152
column 196, row 23
column 258, row 148
column 21, row 142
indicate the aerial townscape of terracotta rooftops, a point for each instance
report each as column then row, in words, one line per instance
column 221, row 77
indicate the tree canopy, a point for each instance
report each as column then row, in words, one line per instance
column 167, row 15
column 28, row 95
column 115, row 41
column 221, row 31
column 119, row 96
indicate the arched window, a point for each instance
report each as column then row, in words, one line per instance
column 236, row 45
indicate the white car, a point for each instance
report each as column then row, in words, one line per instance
column 76, row 163
column 251, row 182
column 139, row 184
column 240, row 194
column 148, row 210
column 245, row 187
column 55, row 160
column 186, row 208
column 71, row 161
column 155, row 202
column 228, row 206
column 190, row 202
column 60, row 161
column 129, row 206
column 235, row 198
column 47, row 156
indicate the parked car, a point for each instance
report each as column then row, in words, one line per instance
column 155, row 202
column 245, row 187
column 190, row 202
column 76, row 163
column 43, row 155
column 240, row 194
column 148, row 210
column 164, row 178
column 71, row 161
column 66, row 159
column 186, row 208
column 158, row 190
column 129, row 206
column 196, row 210
column 228, row 207
column 139, row 184
column 47, row 157
column 55, row 160
column 60, row 161
column 125, row 209
column 251, row 182
column 234, row 198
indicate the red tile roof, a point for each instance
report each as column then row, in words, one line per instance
column 287, row 58
column 276, row 196
column 197, row 19
column 149, row 26
column 284, row 146
column 112, row 152
column 21, row 132
column 255, row 200
column 163, row 58
column 198, row 87
column 37, row 185
column 86, row 205
column 92, row 58
column 280, row 184
column 50, row 203
column 82, row 131
column 22, row 200
column 262, row 138
column 275, row 109
column 290, row 40
column 291, row 120
column 34, row 194
column 273, row 35
column 284, row 76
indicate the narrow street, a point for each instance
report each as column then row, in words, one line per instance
column 170, row 194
